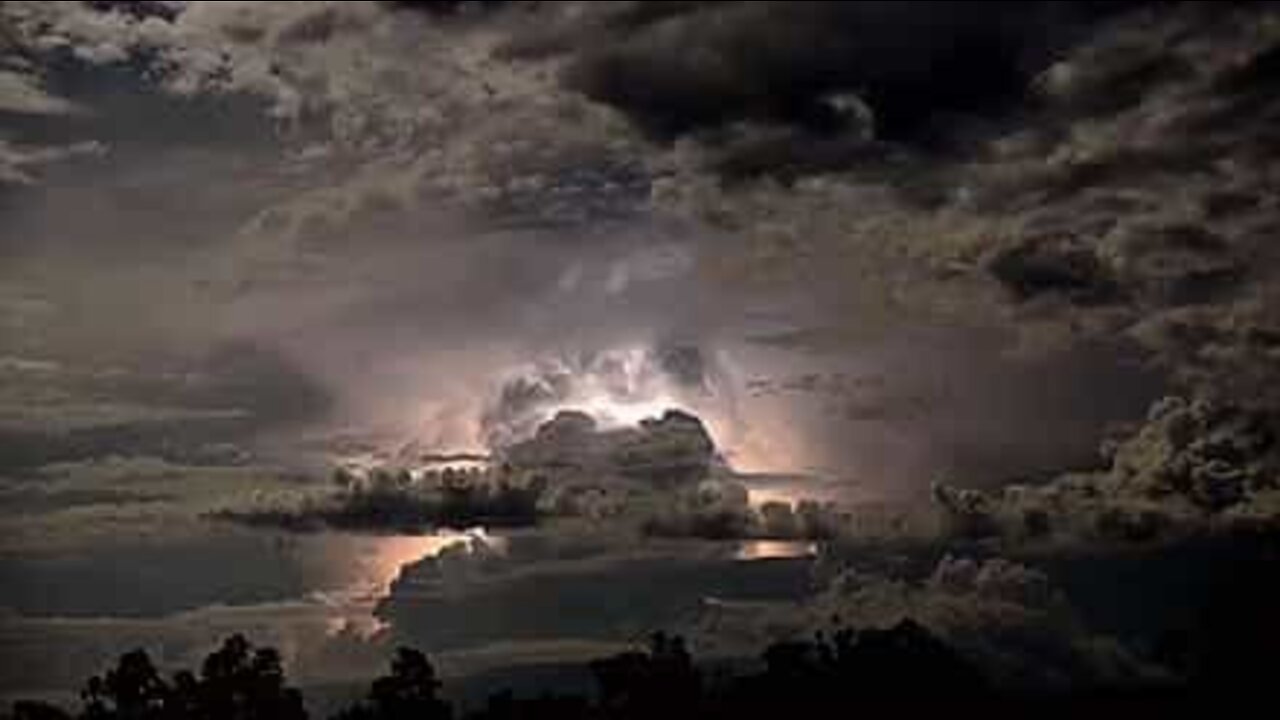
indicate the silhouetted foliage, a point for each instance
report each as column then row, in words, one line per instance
column 409, row 692
column 892, row 664
column 658, row 683
column 904, row 666
column 236, row 682
column 240, row 682
column 132, row 689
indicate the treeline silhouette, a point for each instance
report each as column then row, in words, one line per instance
column 905, row 666
column 235, row 681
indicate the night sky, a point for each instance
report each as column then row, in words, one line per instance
column 514, row 331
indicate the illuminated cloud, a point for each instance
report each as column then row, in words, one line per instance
column 617, row 388
column 879, row 244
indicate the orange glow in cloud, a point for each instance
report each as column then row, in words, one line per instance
column 380, row 564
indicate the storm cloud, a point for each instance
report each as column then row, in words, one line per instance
column 684, row 275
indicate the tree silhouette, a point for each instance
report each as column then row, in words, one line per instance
column 898, row 667
column 133, row 690
column 238, row 682
column 902, row 659
column 657, row 683
column 409, row 692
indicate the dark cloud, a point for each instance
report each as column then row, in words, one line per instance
column 832, row 78
column 722, row 511
column 659, row 479
column 260, row 378
column 673, row 449
column 29, row 499
column 424, row 224
column 464, row 597
column 144, row 9
column 196, row 440
column 393, row 501
column 1042, row 266
column 520, row 403
column 719, row 511
column 713, row 64
column 1012, row 620
column 685, row 364
column 1192, row 469
column 151, row 580
column 447, row 7
column 956, row 412
column 204, row 411
column 1125, row 198
column 569, row 467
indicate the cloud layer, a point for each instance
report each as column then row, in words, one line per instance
column 881, row 244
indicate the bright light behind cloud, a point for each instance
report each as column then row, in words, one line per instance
column 619, row 388
column 611, row 412
column 623, row 390
column 383, row 560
